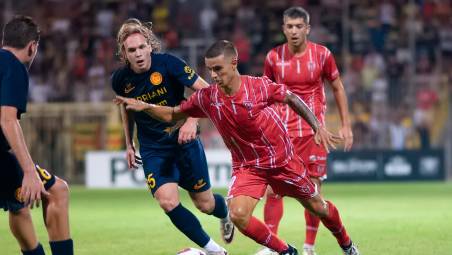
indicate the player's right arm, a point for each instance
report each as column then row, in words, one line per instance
column 128, row 125
column 127, row 120
column 32, row 186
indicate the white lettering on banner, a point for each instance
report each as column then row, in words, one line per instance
column 397, row 166
column 354, row 166
column 105, row 169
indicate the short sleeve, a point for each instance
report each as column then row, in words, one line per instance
column 330, row 71
column 194, row 105
column 181, row 71
column 268, row 67
column 116, row 83
column 14, row 88
column 276, row 92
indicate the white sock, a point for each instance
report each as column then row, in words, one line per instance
column 308, row 247
column 212, row 246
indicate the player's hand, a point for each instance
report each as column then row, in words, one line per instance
column 326, row 139
column 131, row 103
column 347, row 135
column 188, row 131
column 32, row 189
column 133, row 160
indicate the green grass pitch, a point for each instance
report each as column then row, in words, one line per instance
column 390, row 218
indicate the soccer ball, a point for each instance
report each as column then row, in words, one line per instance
column 190, row 251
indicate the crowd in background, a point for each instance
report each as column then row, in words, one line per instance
column 394, row 55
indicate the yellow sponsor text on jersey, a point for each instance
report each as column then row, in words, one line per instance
column 151, row 95
column 156, row 78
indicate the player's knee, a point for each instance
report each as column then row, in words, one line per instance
column 168, row 204
column 320, row 209
column 239, row 216
column 205, row 206
column 59, row 192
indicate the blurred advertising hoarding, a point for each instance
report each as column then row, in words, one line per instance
column 106, row 169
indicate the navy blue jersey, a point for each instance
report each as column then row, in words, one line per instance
column 13, row 87
column 163, row 84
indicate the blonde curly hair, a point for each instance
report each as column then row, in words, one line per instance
column 132, row 26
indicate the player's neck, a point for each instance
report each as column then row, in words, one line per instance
column 298, row 50
column 233, row 86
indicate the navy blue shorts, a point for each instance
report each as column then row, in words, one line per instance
column 11, row 181
column 186, row 165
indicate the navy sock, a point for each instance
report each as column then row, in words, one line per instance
column 36, row 251
column 188, row 224
column 65, row 247
column 220, row 210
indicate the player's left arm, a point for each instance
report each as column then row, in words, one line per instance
column 189, row 130
column 322, row 135
column 342, row 104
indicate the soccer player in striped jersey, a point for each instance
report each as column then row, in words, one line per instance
column 304, row 67
column 262, row 154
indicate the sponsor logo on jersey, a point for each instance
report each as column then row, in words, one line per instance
column 129, row 87
column 189, row 71
column 156, row 78
column 201, row 183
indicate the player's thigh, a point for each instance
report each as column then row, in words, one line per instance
column 192, row 165
column 59, row 192
column 314, row 156
column 291, row 180
column 159, row 170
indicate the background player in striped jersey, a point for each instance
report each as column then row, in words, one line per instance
column 23, row 183
column 304, row 66
column 172, row 152
column 262, row 153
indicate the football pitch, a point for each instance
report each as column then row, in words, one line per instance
column 389, row 218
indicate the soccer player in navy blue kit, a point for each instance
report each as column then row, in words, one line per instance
column 172, row 153
column 23, row 183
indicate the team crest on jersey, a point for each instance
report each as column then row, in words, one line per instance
column 248, row 105
column 129, row 87
column 156, row 78
column 311, row 66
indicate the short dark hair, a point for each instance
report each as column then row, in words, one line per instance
column 221, row 47
column 297, row 12
column 20, row 31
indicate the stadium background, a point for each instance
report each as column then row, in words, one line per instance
column 395, row 58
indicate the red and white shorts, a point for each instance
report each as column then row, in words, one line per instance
column 314, row 156
column 290, row 180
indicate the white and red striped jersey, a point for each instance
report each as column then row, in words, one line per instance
column 304, row 75
column 250, row 128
